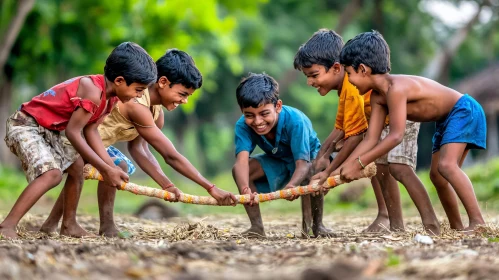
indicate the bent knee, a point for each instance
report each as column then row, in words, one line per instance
column 76, row 169
column 446, row 167
column 399, row 171
column 53, row 177
column 435, row 174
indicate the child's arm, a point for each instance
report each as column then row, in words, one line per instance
column 300, row 132
column 139, row 150
column 241, row 174
column 78, row 122
column 148, row 130
column 369, row 151
column 348, row 147
column 329, row 146
column 302, row 171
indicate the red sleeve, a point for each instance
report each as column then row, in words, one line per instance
column 86, row 104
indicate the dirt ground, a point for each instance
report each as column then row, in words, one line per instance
column 210, row 248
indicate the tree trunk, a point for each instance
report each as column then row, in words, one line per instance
column 440, row 63
column 378, row 17
column 10, row 36
column 6, row 157
column 7, row 41
column 347, row 15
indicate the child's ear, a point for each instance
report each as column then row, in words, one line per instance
column 119, row 80
column 163, row 82
column 278, row 106
column 364, row 69
column 336, row 68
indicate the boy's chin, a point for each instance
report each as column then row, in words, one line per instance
column 170, row 107
column 262, row 133
column 323, row 91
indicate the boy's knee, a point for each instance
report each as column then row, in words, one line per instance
column 445, row 167
column 76, row 169
column 53, row 177
column 400, row 171
column 434, row 175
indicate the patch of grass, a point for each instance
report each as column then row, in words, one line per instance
column 493, row 239
column 392, row 258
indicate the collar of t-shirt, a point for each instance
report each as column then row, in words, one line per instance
column 280, row 123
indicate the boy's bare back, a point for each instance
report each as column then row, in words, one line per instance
column 427, row 100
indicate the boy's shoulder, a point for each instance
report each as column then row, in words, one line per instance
column 87, row 89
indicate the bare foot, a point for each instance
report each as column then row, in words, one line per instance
column 322, row 231
column 471, row 229
column 397, row 229
column 432, row 229
column 109, row 231
column 8, row 233
column 74, row 231
column 254, row 231
column 380, row 224
column 48, row 228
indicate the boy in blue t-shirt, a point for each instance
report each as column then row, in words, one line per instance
column 286, row 136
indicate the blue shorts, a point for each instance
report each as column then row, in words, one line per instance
column 465, row 124
column 118, row 157
column 277, row 172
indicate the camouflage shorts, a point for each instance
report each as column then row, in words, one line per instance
column 405, row 152
column 38, row 148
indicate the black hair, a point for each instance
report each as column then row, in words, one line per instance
column 132, row 62
column 257, row 90
column 323, row 48
column 369, row 48
column 179, row 68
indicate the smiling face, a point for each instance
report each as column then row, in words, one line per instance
column 173, row 95
column 127, row 92
column 264, row 118
column 360, row 78
column 324, row 81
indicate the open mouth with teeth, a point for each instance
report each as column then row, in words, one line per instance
column 260, row 128
column 172, row 106
column 318, row 88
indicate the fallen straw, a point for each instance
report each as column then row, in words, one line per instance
column 91, row 173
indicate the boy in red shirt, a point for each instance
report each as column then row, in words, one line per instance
column 76, row 107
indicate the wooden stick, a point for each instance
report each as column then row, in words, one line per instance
column 91, row 173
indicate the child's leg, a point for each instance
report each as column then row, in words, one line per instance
column 389, row 188
column 318, row 228
column 105, row 197
column 67, row 203
column 402, row 163
column 451, row 155
column 306, row 212
column 406, row 175
column 446, row 193
column 72, row 192
column 381, row 222
column 391, row 195
column 28, row 198
column 255, row 172
column 52, row 222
